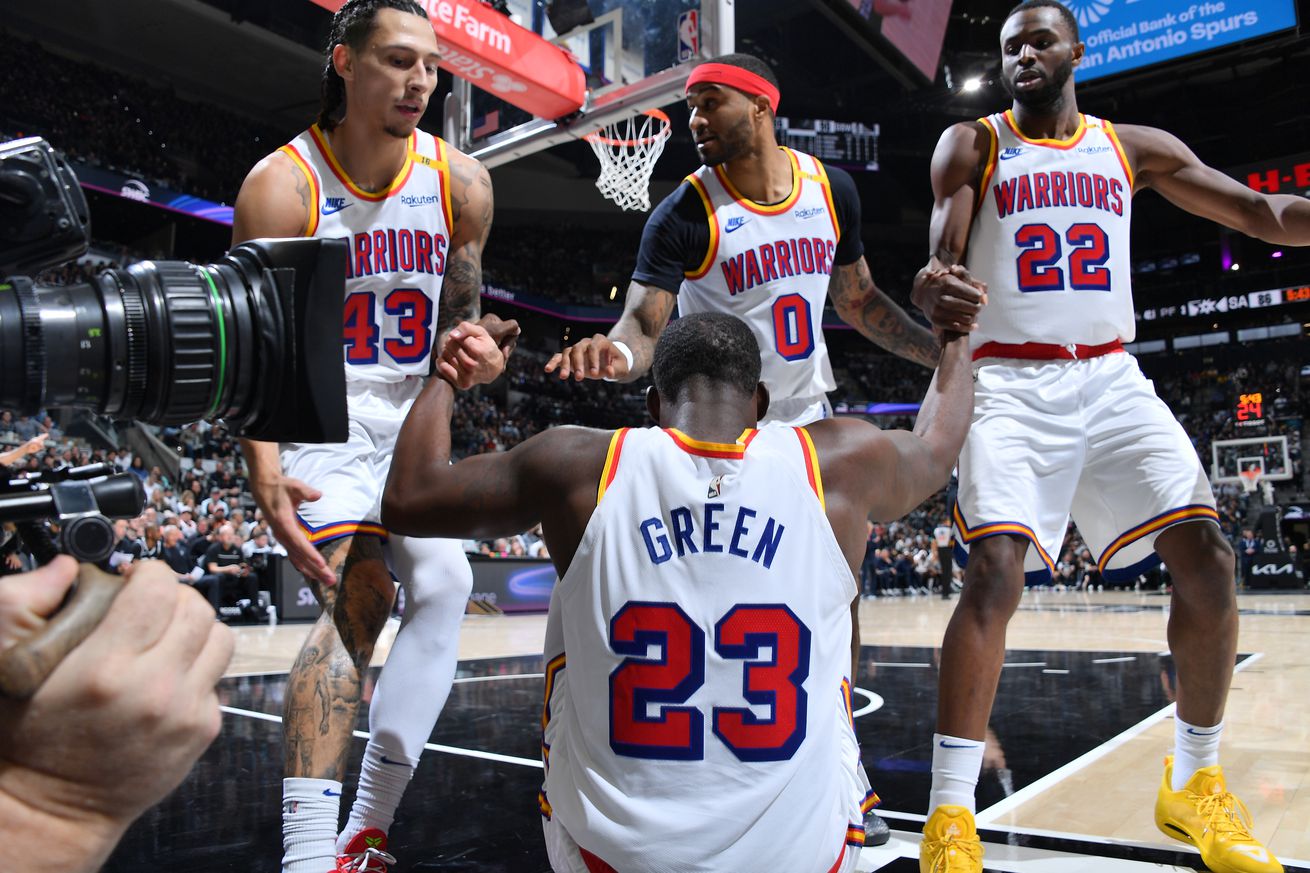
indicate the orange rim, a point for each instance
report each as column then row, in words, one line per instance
column 656, row 114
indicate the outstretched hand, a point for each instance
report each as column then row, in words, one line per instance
column 475, row 354
column 591, row 358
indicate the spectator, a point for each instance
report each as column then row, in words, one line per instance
column 226, row 571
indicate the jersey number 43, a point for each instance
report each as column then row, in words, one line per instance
column 772, row 643
column 411, row 311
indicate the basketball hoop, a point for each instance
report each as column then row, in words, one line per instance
column 1250, row 479
column 627, row 151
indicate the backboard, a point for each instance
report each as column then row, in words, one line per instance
column 1268, row 454
column 636, row 55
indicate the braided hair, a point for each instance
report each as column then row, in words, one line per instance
column 351, row 26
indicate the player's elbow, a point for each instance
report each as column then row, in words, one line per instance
column 400, row 511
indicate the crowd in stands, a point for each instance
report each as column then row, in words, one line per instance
column 207, row 517
column 202, row 521
column 129, row 125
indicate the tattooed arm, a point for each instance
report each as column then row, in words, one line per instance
column 646, row 311
column 276, row 201
column 862, row 304
column 472, row 205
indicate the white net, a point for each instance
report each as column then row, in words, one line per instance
column 627, row 151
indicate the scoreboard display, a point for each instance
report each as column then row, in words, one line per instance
column 1250, row 409
column 846, row 144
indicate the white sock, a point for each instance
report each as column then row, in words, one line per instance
column 956, row 763
column 310, row 808
column 382, row 780
column 1194, row 748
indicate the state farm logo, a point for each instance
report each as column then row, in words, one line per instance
column 461, row 17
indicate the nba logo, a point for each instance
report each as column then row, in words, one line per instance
column 688, row 35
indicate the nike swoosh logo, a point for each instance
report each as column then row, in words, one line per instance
column 946, row 745
column 327, row 211
column 1007, row 157
column 386, row 760
column 1194, row 732
column 1256, row 852
column 730, row 227
column 328, row 792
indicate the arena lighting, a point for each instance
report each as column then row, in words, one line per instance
column 614, row 291
column 1235, row 267
column 1276, row 254
column 971, row 84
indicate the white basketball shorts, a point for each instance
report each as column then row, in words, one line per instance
column 797, row 411
column 352, row 474
column 1087, row 436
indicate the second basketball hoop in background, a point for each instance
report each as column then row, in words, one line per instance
column 627, row 151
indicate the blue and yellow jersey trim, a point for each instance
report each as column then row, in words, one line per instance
column 1063, row 144
column 821, row 176
column 989, row 169
column 846, row 700
column 812, row 471
column 704, row 267
column 871, row 800
column 702, row 448
column 311, row 225
column 556, row 664
column 611, row 467
column 1195, row 512
column 1013, row 528
column 698, row 186
column 758, row 208
column 441, row 164
column 1113, row 135
column 337, row 529
column 392, row 188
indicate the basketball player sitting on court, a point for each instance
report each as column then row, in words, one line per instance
column 767, row 234
column 412, row 273
column 1033, row 205
column 697, row 710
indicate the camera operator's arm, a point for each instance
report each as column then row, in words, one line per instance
column 31, row 447
column 275, row 201
column 141, row 686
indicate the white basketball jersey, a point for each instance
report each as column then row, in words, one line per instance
column 696, row 655
column 1050, row 237
column 770, row 266
column 398, row 239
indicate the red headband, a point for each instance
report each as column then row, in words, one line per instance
column 736, row 77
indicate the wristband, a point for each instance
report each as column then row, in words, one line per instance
column 622, row 349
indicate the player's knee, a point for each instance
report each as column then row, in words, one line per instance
column 1196, row 554
column 993, row 580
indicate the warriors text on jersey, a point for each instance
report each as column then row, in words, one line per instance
column 697, row 714
column 1050, row 237
column 397, row 240
column 770, row 266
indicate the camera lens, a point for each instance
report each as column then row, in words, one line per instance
column 171, row 342
column 151, row 342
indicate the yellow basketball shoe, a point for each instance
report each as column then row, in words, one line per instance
column 1217, row 823
column 950, row 842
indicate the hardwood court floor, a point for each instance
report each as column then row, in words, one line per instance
column 1082, row 721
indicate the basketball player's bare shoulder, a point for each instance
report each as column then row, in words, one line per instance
column 275, row 200
column 962, row 153
column 471, row 199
